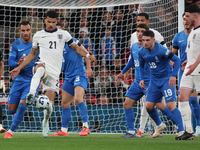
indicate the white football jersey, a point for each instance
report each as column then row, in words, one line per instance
column 158, row 37
column 192, row 50
column 51, row 46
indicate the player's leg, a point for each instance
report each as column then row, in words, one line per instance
column 67, row 99
column 154, row 95
column 129, row 116
column 194, row 104
column 186, row 87
column 39, row 72
column 143, row 118
column 80, row 84
column 2, row 130
column 47, row 112
column 20, row 93
column 133, row 94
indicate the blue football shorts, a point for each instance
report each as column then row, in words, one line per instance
column 135, row 92
column 155, row 92
column 18, row 91
column 71, row 83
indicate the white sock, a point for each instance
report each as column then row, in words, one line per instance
column 186, row 115
column 85, row 124
column 143, row 118
column 131, row 132
column 48, row 111
column 11, row 132
column 65, row 130
column 35, row 81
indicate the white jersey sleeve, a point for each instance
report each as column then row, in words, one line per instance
column 35, row 41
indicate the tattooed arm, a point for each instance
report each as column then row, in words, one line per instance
column 15, row 72
column 29, row 58
column 81, row 51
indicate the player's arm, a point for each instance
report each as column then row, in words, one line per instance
column 142, row 62
column 15, row 72
column 177, row 62
column 126, row 68
column 80, row 51
column 193, row 66
column 88, row 71
column 2, row 85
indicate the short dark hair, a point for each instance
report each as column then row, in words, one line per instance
column 183, row 14
column 144, row 14
column 192, row 8
column 52, row 14
column 24, row 23
column 148, row 33
column 144, row 26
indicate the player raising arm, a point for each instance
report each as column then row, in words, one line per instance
column 162, row 81
column 50, row 42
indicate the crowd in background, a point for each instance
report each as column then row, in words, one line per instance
column 104, row 32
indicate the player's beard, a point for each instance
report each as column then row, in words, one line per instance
column 27, row 38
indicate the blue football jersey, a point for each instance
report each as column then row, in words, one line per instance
column 72, row 63
column 17, row 50
column 157, row 59
column 134, row 57
column 180, row 41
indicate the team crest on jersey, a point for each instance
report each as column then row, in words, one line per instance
column 60, row 37
column 156, row 58
column 194, row 36
column 10, row 49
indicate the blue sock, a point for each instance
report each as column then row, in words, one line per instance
column 129, row 116
column 83, row 112
column 195, row 109
column 178, row 118
column 18, row 117
column 154, row 115
column 66, row 116
column 169, row 114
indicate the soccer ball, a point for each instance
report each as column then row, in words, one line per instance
column 42, row 102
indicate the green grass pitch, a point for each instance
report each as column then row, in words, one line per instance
column 35, row 141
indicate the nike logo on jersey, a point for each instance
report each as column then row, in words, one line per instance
column 44, row 36
column 144, row 57
column 20, row 49
column 134, row 52
column 181, row 41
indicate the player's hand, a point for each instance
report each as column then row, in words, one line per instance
column 14, row 73
column 89, row 73
column 92, row 58
column 191, row 69
column 2, row 85
column 142, row 85
column 119, row 76
column 21, row 60
column 172, row 81
column 183, row 65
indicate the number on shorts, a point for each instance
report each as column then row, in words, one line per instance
column 77, row 79
column 168, row 92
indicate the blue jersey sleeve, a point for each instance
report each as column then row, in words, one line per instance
column 177, row 63
column 174, row 42
column 128, row 65
column 12, row 56
column 142, row 62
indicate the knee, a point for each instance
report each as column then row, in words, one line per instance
column 65, row 104
column 128, row 104
column 148, row 107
